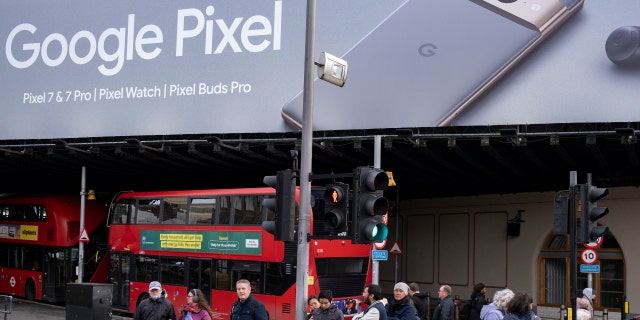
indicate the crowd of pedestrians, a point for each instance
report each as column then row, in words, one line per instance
column 408, row 303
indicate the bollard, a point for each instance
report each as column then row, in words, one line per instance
column 605, row 314
column 456, row 314
column 563, row 312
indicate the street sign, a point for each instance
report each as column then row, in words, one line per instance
column 589, row 256
column 380, row 255
column 84, row 237
column 395, row 249
column 594, row 244
column 380, row 245
column 590, row 268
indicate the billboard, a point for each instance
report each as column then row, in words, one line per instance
column 79, row 68
column 157, row 67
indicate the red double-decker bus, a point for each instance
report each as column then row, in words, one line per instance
column 39, row 245
column 209, row 239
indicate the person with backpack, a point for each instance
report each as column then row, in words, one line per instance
column 247, row 307
column 472, row 309
column 498, row 306
column 419, row 300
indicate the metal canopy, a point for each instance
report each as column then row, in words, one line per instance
column 426, row 162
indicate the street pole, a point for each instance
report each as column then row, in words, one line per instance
column 573, row 257
column 83, row 184
column 302, row 274
column 377, row 151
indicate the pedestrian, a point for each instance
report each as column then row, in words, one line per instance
column 197, row 307
column 401, row 308
column 247, row 307
column 419, row 300
column 520, row 308
column 327, row 310
column 445, row 309
column 313, row 304
column 498, row 307
column 372, row 296
column 477, row 301
column 586, row 302
column 156, row 307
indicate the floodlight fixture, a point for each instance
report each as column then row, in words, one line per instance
column 332, row 69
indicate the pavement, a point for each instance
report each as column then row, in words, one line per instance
column 23, row 309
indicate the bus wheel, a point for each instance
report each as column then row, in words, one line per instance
column 142, row 297
column 30, row 290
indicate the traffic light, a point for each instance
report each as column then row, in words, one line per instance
column 336, row 209
column 561, row 215
column 284, row 205
column 590, row 231
column 369, row 205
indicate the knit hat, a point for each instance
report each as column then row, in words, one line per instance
column 402, row 286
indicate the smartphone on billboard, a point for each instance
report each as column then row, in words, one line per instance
column 429, row 60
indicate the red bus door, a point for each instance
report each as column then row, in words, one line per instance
column 200, row 273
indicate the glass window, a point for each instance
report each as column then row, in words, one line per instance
column 225, row 210
column 146, row 269
column 172, row 271
column 608, row 283
column 247, row 210
column 148, row 211
column 121, row 212
column 222, row 280
column 202, row 210
column 175, row 211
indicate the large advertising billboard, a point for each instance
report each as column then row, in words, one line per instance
column 79, row 68
column 157, row 67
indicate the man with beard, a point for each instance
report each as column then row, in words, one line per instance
column 372, row 295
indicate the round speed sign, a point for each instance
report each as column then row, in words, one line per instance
column 589, row 256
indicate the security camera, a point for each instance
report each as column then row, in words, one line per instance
column 332, row 69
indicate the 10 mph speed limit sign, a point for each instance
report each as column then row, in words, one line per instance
column 589, row 256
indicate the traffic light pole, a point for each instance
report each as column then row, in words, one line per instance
column 573, row 256
column 377, row 150
column 302, row 273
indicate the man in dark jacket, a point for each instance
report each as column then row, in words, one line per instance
column 327, row 310
column 401, row 308
column 156, row 307
column 419, row 300
column 247, row 307
column 445, row 309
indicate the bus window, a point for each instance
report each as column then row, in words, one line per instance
column 222, row 280
column 249, row 270
column 202, row 210
column 247, row 210
column 148, row 211
column 225, row 210
column 175, row 211
column 172, row 271
column 121, row 211
column 146, row 268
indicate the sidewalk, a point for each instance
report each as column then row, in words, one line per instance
column 23, row 309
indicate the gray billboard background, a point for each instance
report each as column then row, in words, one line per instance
column 568, row 78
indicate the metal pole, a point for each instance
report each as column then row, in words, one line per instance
column 302, row 274
column 573, row 267
column 377, row 147
column 83, row 197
